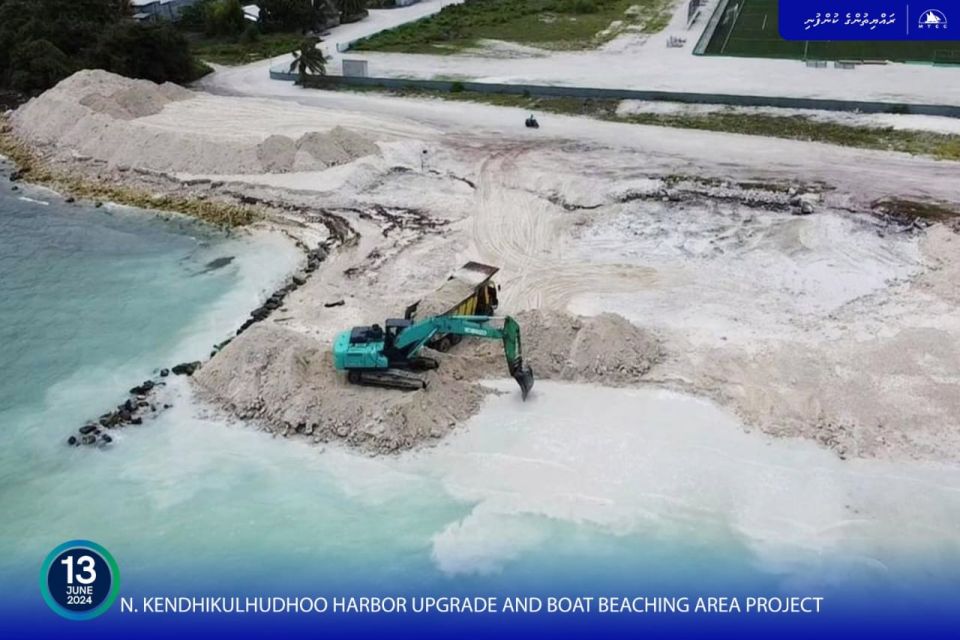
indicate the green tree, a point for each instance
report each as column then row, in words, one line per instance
column 193, row 17
column 308, row 59
column 250, row 34
column 43, row 41
column 352, row 10
column 70, row 26
column 287, row 15
column 225, row 18
column 154, row 51
column 38, row 64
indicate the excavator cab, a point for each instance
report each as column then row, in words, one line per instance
column 394, row 327
column 362, row 335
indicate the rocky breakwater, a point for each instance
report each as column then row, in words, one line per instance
column 143, row 401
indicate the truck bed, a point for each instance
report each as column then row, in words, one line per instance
column 460, row 286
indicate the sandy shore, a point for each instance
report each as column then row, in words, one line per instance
column 683, row 252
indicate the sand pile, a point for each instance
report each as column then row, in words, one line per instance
column 286, row 381
column 73, row 111
column 138, row 101
column 338, row 146
column 103, row 116
column 606, row 349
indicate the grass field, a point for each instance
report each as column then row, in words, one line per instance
column 549, row 24
column 752, row 31
column 232, row 51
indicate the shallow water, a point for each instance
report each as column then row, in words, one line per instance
column 668, row 466
column 667, row 492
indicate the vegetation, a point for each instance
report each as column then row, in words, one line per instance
column 937, row 145
column 219, row 33
column 249, row 46
column 287, row 15
column 31, row 168
column 909, row 210
column 308, row 59
column 553, row 24
column 154, row 51
column 352, row 10
column 44, row 41
column 224, row 18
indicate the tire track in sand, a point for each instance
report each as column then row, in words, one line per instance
column 520, row 232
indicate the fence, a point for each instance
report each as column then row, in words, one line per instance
column 710, row 28
column 864, row 106
column 693, row 11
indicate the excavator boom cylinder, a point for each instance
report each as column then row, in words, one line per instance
column 513, row 350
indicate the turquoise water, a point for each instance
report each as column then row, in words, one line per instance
column 668, row 493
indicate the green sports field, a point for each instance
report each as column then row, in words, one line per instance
column 749, row 28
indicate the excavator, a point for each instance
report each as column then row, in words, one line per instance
column 385, row 356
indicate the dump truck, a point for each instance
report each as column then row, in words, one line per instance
column 469, row 291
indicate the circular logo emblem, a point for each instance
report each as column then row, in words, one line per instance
column 79, row 580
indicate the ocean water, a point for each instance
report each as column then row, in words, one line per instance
column 667, row 494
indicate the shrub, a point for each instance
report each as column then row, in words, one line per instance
column 156, row 52
column 578, row 6
column 37, row 65
column 44, row 41
column 193, row 17
column 287, row 15
column 250, row 34
column 225, row 18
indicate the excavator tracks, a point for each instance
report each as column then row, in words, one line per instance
column 388, row 378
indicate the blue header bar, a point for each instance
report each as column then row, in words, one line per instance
column 868, row 19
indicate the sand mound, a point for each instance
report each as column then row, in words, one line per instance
column 605, row 349
column 107, row 117
column 89, row 100
column 286, row 380
column 339, row 146
column 276, row 154
column 137, row 101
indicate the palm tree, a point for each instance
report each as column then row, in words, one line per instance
column 308, row 60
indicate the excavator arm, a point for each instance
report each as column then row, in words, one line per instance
column 412, row 339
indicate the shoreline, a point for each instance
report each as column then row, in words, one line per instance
column 288, row 218
column 142, row 401
column 657, row 257
column 29, row 166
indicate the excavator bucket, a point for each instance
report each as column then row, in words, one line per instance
column 513, row 350
column 524, row 377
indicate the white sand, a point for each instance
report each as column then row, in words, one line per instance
column 283, row 379
column 121, row 122
column 827, row 327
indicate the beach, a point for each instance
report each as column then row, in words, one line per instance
column 732, row 391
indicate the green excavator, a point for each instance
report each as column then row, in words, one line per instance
column 386, row 356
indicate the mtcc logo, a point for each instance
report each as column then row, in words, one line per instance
column 932, row 19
